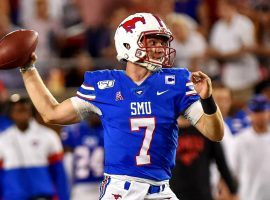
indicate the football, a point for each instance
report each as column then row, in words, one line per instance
column 17, row 47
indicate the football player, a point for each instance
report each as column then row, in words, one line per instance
column 84, row 143
column 31, row 164
column 138, row 108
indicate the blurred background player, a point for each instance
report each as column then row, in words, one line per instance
column 223, row 97
column 186, row 37
column 236, row 118
column 84, row 143
column 195, row 154
column 31, row 158
column 251, row 155
column 5, row 121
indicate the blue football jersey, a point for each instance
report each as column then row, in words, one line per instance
column 88, row 151
column 238, row 122
column 5, row 122
column 140, row 128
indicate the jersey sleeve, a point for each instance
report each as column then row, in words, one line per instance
column 56, row 167
column 188, row 94
column 67, row 137
column 1, row 154
column 92, row 91
column 87, row 91
column 55, row 149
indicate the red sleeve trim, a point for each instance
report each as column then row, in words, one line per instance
column 56, row 157
column 1, row 164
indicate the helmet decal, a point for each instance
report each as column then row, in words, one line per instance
column 131, row 24
column 159, row 20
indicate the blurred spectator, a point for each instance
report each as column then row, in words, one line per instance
column 250, row 8
column 259, row 13
column 143, row 6
column 31, row 158
column 230, row 36
column 252, row 162
column 71, row 15
column 164, row 8
column 191, row 175
column 223, row 98
column 235, row 117
column 95, row 23
column 100, row 11
column 97, row 39
column 237, row 120
column 5, row 7
column 14, row 11
column 74, row 76
column 56, row 81
column 262, row 49
column 5, row 121
column 85, row 141
column 185, row 39
column 47, row 28
column 11, row 78
column 246, row 7
column 73, row 36
column 116, row 18
column 4, row 95
column 189, row 7
column 263, row 88
column 27, row 10
column 208, row 15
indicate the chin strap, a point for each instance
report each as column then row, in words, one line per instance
column 151, row 67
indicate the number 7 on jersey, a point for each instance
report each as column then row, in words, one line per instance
column 149, row 124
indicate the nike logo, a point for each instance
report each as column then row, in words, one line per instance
column 160, row 93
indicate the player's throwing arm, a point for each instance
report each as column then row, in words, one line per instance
column 211, row 122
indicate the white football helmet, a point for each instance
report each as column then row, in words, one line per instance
column 130, row 45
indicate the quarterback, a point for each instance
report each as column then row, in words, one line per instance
column 138, row 108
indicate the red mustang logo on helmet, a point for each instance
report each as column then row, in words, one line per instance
column 117, row 196
column 131, row 24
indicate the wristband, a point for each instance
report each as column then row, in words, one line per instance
column 209, row 106
column 27, row 68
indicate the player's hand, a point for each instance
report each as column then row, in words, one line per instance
column 32, row 59
column 30, row 63
column 202, row 84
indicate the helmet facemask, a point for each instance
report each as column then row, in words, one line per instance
column 155, row 57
